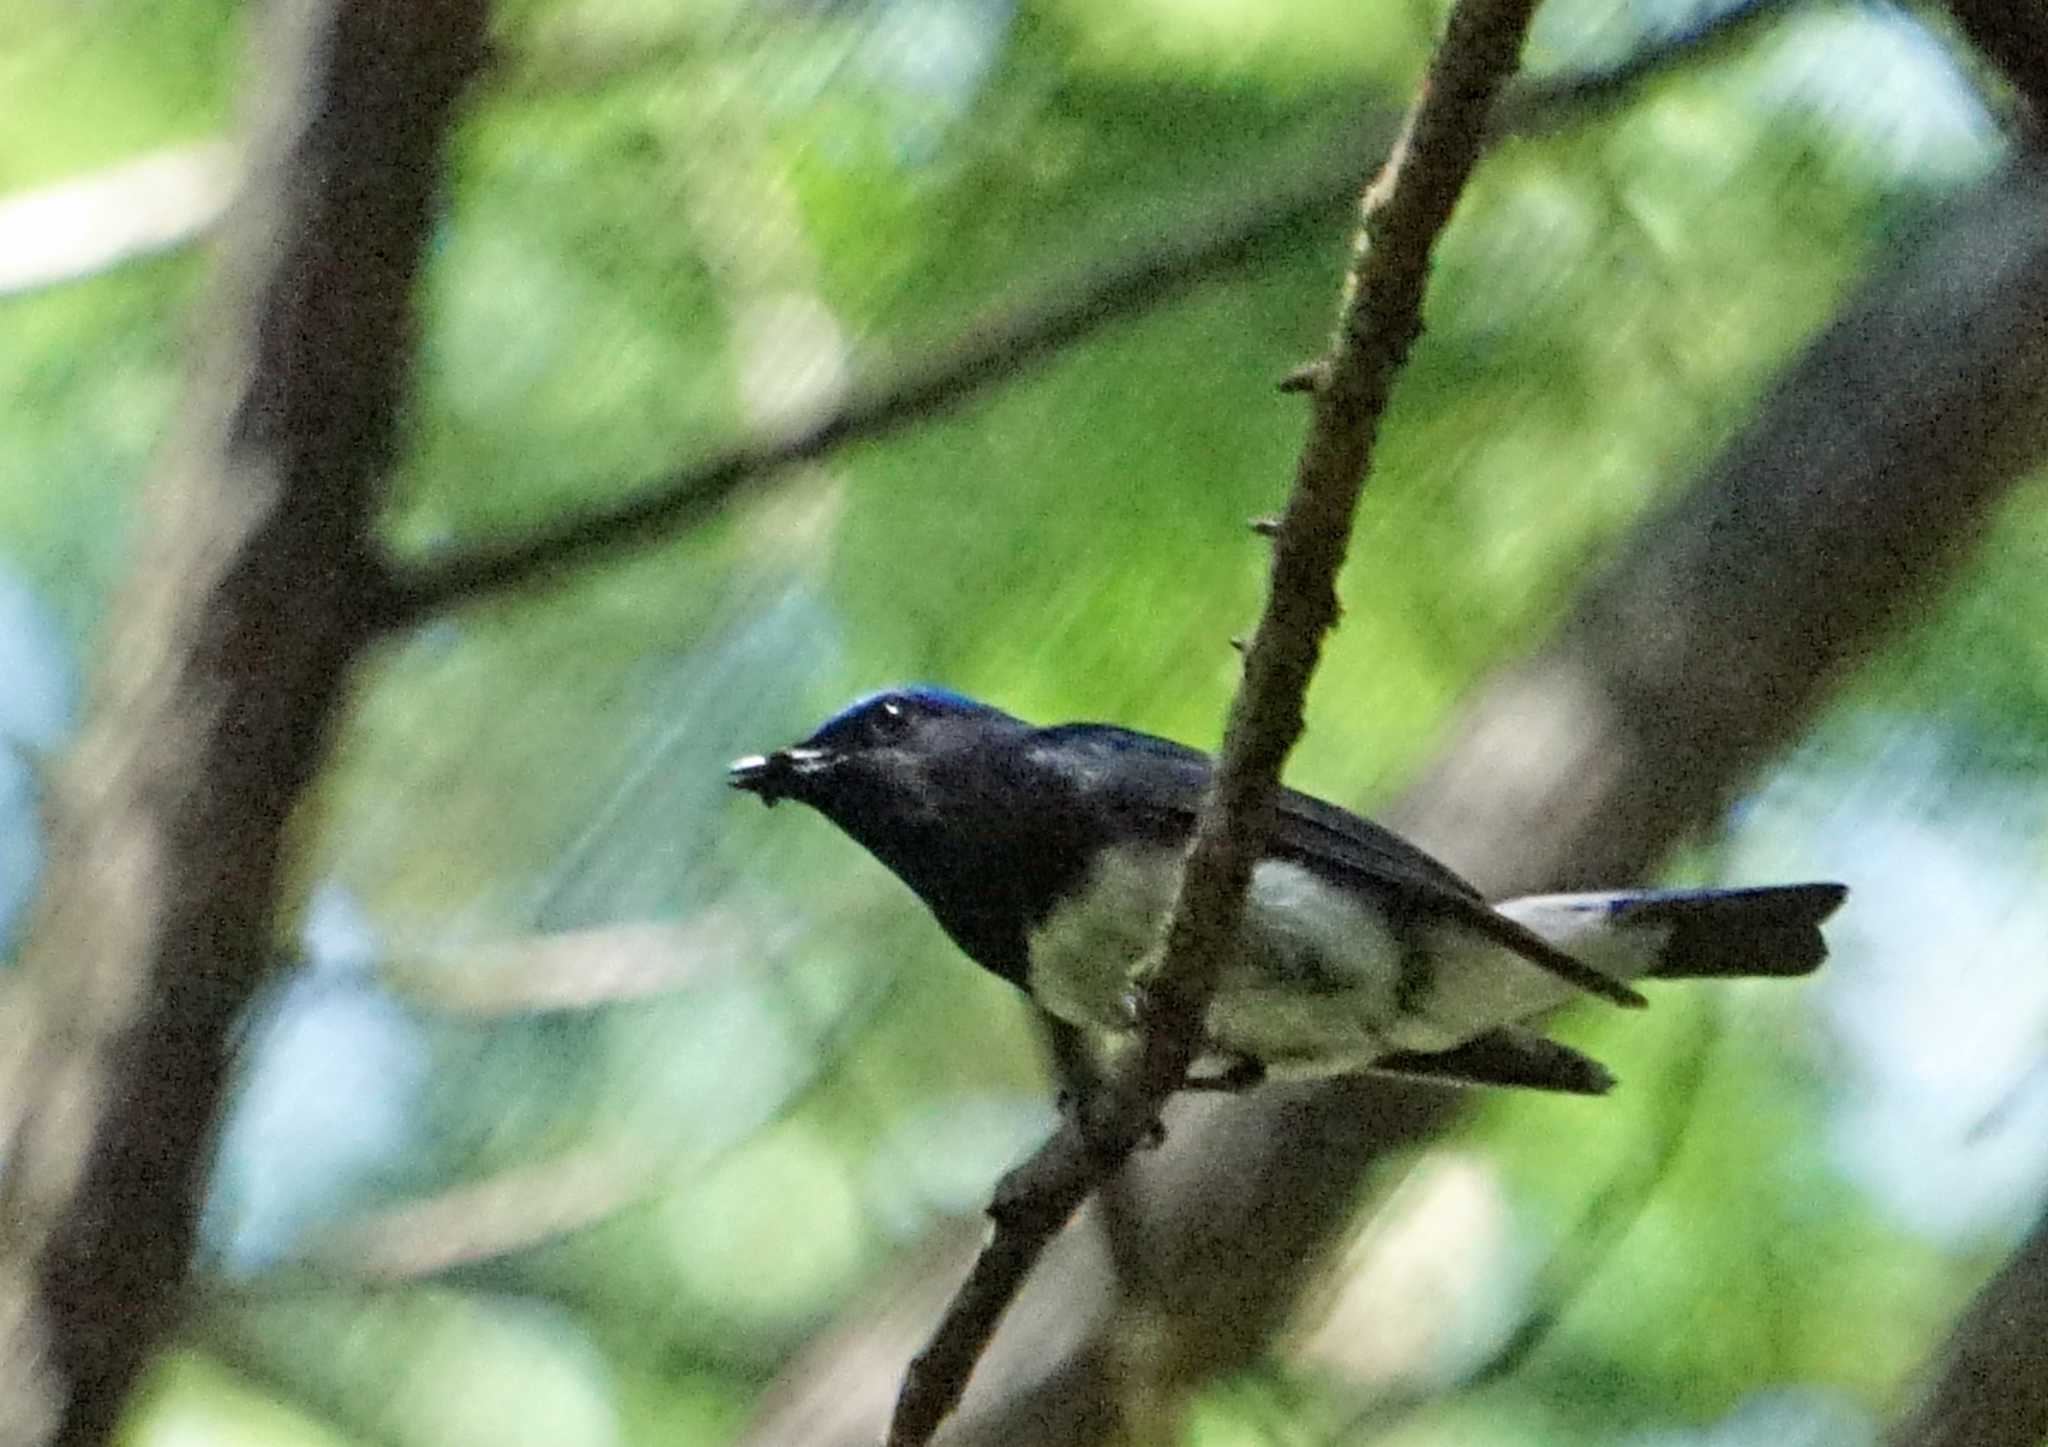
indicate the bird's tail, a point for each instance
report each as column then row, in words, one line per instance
column 1687, row 934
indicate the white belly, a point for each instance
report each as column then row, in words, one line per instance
column 1310, row 990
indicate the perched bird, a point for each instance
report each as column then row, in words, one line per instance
column 1052, row 856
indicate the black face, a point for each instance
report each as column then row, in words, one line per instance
column 872, row 755
column 948, row 794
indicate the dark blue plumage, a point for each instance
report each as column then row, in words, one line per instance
column 1051, row 856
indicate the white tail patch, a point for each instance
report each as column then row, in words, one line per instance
column 1586, row 927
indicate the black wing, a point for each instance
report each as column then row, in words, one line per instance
column 1154, row 776
column 1162, row 782
column 1505, row 1056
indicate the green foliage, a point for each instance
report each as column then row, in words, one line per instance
column 193, row 1396
column 85, row 91
column 653, row 207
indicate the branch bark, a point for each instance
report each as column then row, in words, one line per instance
column 1709, row 641
column 229, row 656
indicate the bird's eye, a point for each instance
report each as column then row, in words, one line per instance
column 892, row 719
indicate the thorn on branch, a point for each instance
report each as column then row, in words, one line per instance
column 1308, row 377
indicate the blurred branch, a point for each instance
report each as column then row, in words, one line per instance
column 1711, row 640
column 1003, row 343
column 533, row 1203
column 1225, row 234
column 1405, row 211
column 508, row 1212
column 230, row 656
column 577, row 969
column 158, row 202
column 1867, row 471
column 2014, row 38
column 1552, row 102
column 1990, row 1388
column 93, row 223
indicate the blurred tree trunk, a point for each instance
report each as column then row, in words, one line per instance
column 1710, row 641
column 1988, row 1386
column 228, row 660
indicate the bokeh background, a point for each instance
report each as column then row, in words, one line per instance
column 591, row 1099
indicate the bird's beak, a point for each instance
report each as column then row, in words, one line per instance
column 774, row 777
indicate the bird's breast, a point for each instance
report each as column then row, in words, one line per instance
column 1316, row 967
column 1085, row 951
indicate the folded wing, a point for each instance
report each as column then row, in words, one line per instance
column 1343, row 847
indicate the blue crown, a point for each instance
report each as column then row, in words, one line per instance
column 930, row 697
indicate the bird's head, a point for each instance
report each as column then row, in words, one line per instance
column 892, row 762
column 952, row 795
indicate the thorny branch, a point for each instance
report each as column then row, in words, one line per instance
column 1405, row 211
